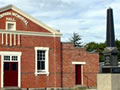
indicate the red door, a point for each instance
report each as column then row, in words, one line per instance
column 78, row 75
column 10, row 73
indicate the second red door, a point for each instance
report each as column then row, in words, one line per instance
column 78, row 75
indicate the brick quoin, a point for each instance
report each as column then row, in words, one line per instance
column 62, row 72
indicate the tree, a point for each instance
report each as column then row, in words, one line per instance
column 99, row 47
column 76, row 40
column 96, row 47
column 91, row 47
column 117, row 42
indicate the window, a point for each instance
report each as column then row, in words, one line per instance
column 14, row 58
column 41, row 56
column 7, row 58
column 14, row 66
column 41, row 60
column 10, row 58
column 11, row 26
column 6, row 67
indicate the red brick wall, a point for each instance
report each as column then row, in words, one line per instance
column 27, row 47
column 56, row 61
column 62, row 72
column 90, row 69
column 28, row 78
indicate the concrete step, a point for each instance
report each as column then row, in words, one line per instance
column 91, row 89
column 80, row 86
column 16, row 88
column 13, row 88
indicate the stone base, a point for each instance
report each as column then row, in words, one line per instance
column 110, row 69
column 108, row 82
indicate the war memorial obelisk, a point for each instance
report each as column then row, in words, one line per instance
column 111, row 51
column 109, row 79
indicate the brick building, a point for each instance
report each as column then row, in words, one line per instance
column 32, row 55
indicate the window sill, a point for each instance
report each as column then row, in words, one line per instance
column 37, row 73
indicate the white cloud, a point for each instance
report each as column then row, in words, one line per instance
column 86, row 17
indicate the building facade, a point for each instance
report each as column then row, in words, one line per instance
column 32, row 55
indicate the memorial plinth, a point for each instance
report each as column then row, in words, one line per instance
column 108, row 81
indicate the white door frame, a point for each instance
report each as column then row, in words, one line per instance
column 10, row 53
column 80, row 63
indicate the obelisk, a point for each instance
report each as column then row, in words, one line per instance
column 110, row 36
column 111, row 51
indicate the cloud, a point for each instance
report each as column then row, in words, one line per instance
column 86, row 17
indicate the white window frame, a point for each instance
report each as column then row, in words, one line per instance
column 46, row 71
column 14, row 29
column 10, row 53
column 10, row 58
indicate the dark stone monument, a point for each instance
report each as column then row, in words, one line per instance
column 111, row 51
column 109, row 79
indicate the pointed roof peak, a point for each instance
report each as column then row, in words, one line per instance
column 10, row 6
column 30, row 18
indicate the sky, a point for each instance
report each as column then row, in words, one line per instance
column 85, row 17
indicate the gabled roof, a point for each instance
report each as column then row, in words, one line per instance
column 30, row 18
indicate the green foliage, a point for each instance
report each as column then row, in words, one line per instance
column 117, row 42
column 76, row 40
column 96, row 47
column 99, row 47
column 92, row 46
